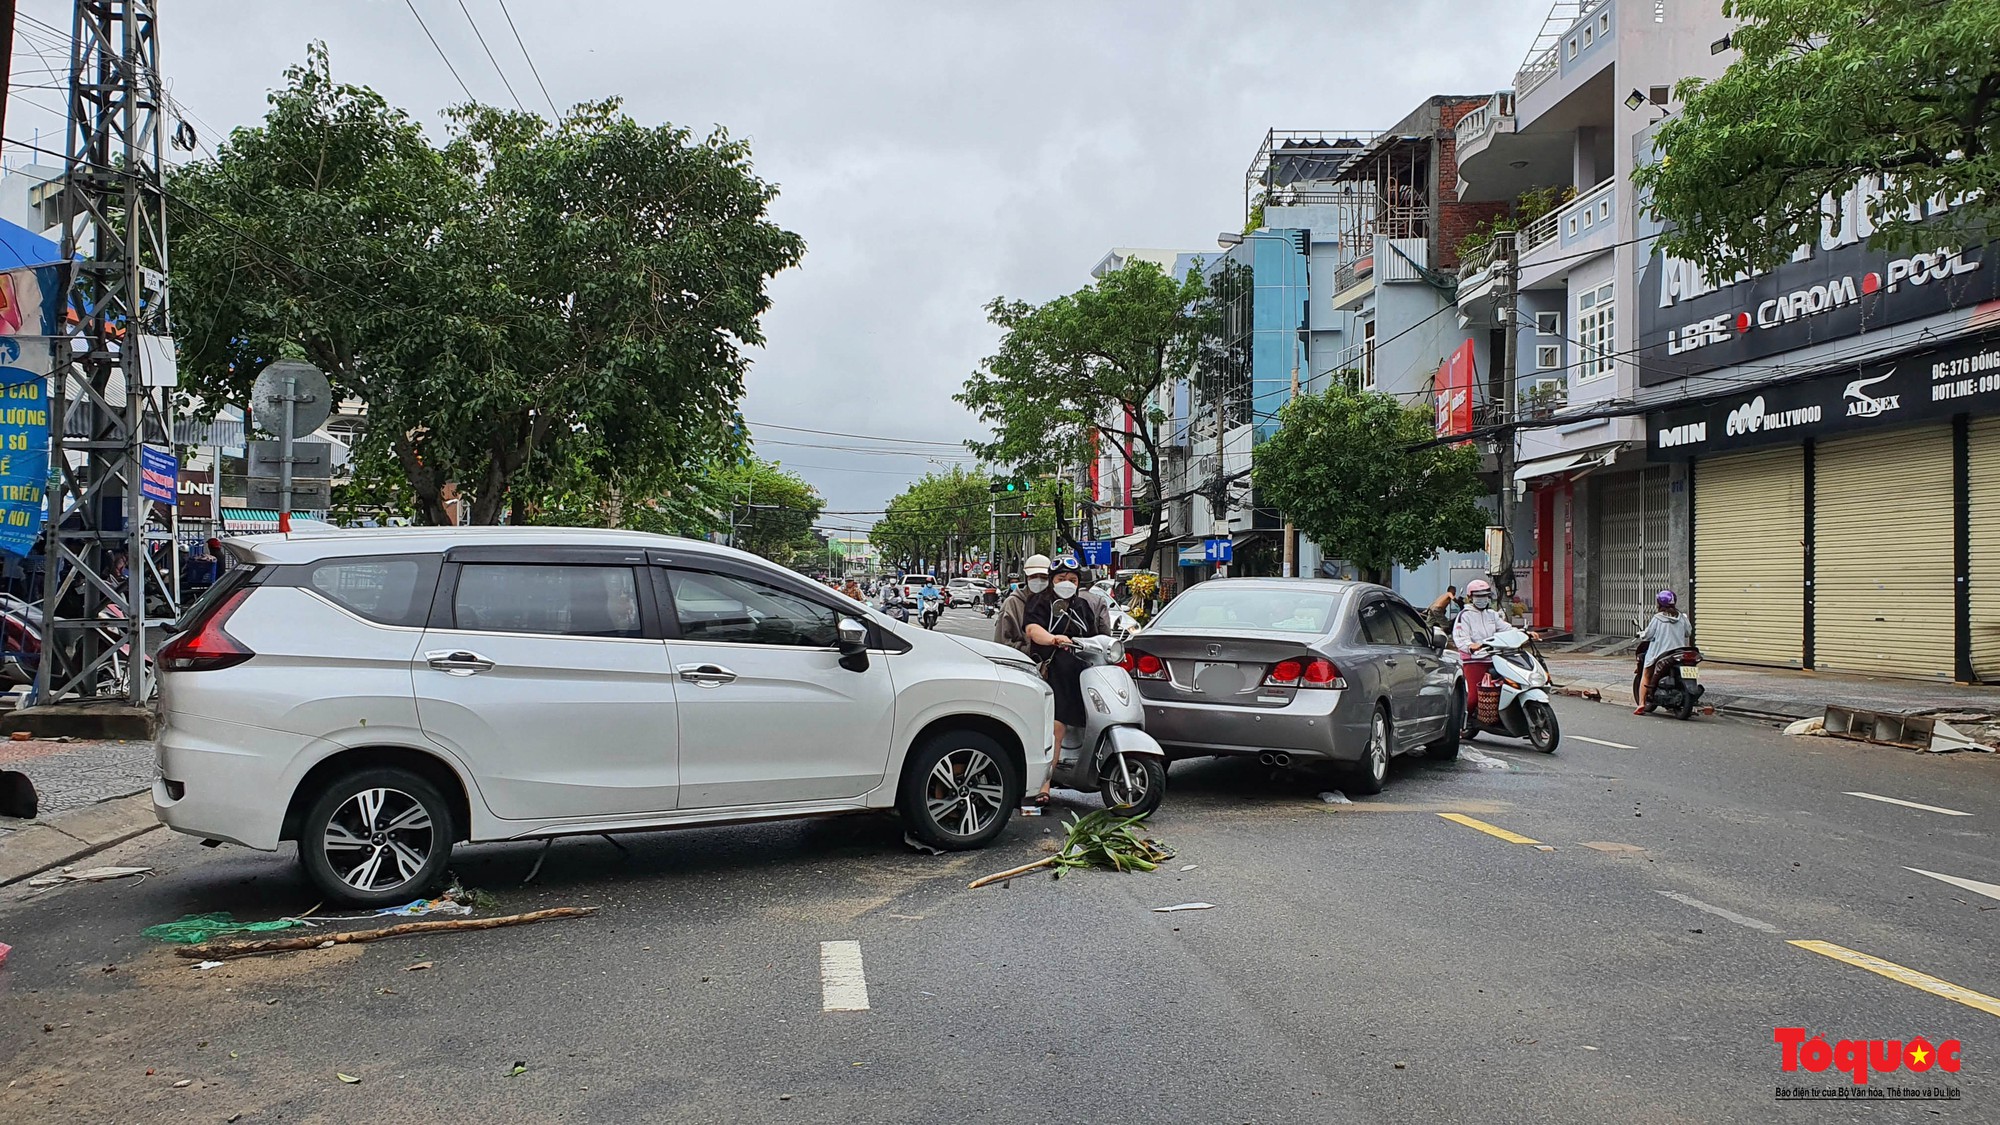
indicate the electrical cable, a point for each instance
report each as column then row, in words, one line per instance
column 481, row 36
column 864, row 437
column 411, row 4
column 532, row 68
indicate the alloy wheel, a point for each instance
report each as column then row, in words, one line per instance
column 965, row 791
column 1378, row 747
column 1124, row 786
column 378, row 839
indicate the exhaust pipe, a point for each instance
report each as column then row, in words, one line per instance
column 1277, row 760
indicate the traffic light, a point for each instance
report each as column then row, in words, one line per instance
column 1006, row 486
column 1026, row 514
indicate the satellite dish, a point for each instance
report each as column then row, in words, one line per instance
column 312, row 398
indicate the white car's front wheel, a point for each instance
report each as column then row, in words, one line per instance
column 959, row 788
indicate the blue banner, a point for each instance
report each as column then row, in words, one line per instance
column 159, row 475
column 24, row 445
column 1096, row 552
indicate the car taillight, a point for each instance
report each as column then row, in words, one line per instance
column 203, row 646
column 1145, row 666
column 1306, row 672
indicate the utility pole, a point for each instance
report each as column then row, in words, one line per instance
column 1507, row 296
column 113, row 377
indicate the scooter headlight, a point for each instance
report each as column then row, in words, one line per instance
column 1097, row 701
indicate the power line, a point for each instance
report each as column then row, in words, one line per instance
column 481, row 36
column 865, row 437
column 532, row 68
column 411, row 5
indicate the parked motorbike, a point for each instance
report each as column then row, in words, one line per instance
column 1674, row 688
column 1111, row 753
column 1515, row 700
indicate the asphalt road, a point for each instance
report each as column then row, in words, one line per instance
column 1372, row 961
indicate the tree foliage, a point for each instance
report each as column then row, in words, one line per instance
column 1826, row 93
column 937, row 521
column 1084, row 368
column 531, row 302
column 771, row 511
column 1355, row 473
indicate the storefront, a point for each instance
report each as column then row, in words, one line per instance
column 1850, row 521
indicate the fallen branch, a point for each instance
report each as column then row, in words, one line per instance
column 1045, row 861
column 219, row 949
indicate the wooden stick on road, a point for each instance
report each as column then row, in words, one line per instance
column 1048, row 861
column 218, row 949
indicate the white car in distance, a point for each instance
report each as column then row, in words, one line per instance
column 381, row 696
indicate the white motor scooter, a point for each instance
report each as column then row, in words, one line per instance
column 1112, row 753
column 1523, row 709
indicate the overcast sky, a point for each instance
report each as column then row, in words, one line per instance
column 933, row 154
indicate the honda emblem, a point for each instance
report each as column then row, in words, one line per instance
column 1215, row 650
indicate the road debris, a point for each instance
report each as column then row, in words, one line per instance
column 1481, row 760
column 317, row 941
column 1098, row 839
column 183, row 1083
column 1814, row 725
column 440, row 905
column 92, row 875
column 419, row 966
column 194, row 928
column 209, row 965
column 347, row 1078
column 519, row 1068
column 1335, row 797
column 1183, row 906
column 1189, row 866
column 5, row 949
column 919, row 845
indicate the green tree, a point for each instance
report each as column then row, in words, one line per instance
column 575, row 292
column 1086, row 367
column 772, row 510
column 1357, row 473
column 935, row 523
column 1826, row 93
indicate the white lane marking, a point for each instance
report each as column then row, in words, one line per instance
column 1719, row 912
column 842, row 986
column 1906, row 804
column 1601, row 742
column 1975, row 886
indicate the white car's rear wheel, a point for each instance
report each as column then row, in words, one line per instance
column 379, row 837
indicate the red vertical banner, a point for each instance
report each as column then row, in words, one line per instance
column 1454, row 392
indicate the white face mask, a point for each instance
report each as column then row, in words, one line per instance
column 1037, row 585
column 1065, row 589
column 1481, row 602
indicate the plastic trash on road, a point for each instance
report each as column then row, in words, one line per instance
column 1183, row 906
column 1481, row 761
column 1335, row 797
column 194, row 929
column 425, row 906
column 92, row 875
column 5, row 949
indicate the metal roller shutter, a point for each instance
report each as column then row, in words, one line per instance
column 1749, row 557
column 1632, row 552
column 1882, row 554
column 1984, row 522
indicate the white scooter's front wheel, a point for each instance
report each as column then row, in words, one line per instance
column 1543, row 730
column 1133, row 784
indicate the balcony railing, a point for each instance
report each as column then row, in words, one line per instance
column 1544, row 59
column 1483, row 120
column 1479, row 260
column 1352, row 273
column 1584, row 213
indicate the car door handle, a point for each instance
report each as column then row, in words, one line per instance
column 707, row 675
column 457, row 662
column 1390, row 663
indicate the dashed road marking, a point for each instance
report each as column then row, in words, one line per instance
column 1905, row 804
column 1489, row 829
column 1719, row 912
column 1602, row 742
column 1973, row 885
column 1904, row 975
column 842, row 985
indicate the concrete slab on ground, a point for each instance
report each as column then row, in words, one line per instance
column 1779, row 693
column 41, row 844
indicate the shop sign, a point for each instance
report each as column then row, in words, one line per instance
column 1833, row 288
column 197, row 494
column 1961, row 378
column 1454, row 392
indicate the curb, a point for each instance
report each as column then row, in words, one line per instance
column 1747, row 707
column 70, row 836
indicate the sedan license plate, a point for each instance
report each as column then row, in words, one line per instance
column 1217, row 677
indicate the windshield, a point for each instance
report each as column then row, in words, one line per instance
column 1251, row 607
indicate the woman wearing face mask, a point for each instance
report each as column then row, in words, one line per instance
column 1055, row 617
column 1013, row 619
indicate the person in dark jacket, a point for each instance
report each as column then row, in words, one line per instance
column 1055, row 618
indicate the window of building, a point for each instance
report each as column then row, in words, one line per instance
column 575, row 601
column 1596, row 323
column 1368, row 356
column 720, row 608
column 1572, row 48
column 1548, row 323
column 1660, row 95
column 1604, row 210
column 1604, row 24
column 1548, row 356
column 1588, row 38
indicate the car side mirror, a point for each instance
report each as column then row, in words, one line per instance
column 1438, row 638
column 852, row 644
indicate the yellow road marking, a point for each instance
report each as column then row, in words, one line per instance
column 1899, row 973
column 1490, row 830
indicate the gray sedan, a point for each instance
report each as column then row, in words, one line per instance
column 1297, row 670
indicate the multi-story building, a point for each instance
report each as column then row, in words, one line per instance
column 1595, row 537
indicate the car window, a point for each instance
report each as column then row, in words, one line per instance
column 389, row 591
column 1411, row 627
column 1378, row 623
column 718, row 607
column 1250, row 607
column 576, row 601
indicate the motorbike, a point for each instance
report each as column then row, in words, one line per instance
column 896, row 608
column 1112, row 753
column 929, row 608
column 1674, row 688
column 1515, row 701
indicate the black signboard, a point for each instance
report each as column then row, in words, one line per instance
column 1957, row 378
column 1688, row 325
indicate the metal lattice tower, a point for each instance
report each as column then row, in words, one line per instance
column 106, row 404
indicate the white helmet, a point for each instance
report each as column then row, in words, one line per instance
column 1037, row 566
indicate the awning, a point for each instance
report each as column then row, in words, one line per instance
column 249, row 519
column 1127, row 544
column 1563, row 463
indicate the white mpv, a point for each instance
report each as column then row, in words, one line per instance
column 379, row 696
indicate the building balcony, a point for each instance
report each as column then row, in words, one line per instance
column 1577, row 44
column 1553, row 244
column 1479, row 275
column 1477, row 128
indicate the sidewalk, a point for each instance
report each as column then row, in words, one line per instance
column 91, row 794
column 1776, row 693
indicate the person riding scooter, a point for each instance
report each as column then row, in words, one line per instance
column 1670, row 629
column 1478, row 623
column 1054, row 618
